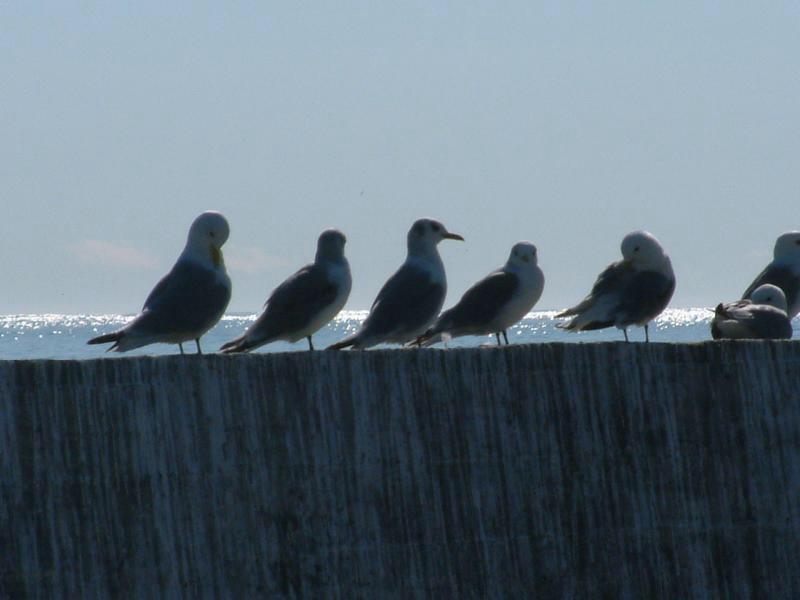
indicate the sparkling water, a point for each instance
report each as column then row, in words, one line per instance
column 65, row 336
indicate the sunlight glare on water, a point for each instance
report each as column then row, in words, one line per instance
column 65, row 336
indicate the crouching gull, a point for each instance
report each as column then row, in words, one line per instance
column 189, row 300
column 412, row 298
column 783, row 271
column 305, row 302
column 496, row 302
column 632, row 291
column 761, row 317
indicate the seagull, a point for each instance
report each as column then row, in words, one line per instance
column 496, row 302
column 632, row 291
column 189, row 300
column 305, row 302
column 410, row 300
column 761, row 317
column 783, row 271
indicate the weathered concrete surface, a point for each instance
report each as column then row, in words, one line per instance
column 531, row 471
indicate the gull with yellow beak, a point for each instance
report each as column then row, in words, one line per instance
column 632, row 291
column 410, row 300
column 189, row 300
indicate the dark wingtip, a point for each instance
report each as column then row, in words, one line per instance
column 340, row 345
column 233, row 346
column 344, row 343
column 422, row 338
column 104, row 339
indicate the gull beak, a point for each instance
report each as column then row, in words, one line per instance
column 453, row 236
column 216, row 256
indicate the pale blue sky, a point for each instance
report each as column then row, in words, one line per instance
column 562, row 123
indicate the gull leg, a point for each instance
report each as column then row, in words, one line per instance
column 197, row 341
column 625, row 331
column 180, row 345
column 505, row 336
column 647, row 332
column 497, row 335
column 310, row 345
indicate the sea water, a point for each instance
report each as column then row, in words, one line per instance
column 64, row 336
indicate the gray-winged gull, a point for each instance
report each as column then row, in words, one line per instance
column 494, row 303
column 189, row 300
column 410, row 300
column 305, row 302
column 762, row 317
column 783, row 271
column 632, row 291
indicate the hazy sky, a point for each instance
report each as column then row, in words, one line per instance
column 562, row 123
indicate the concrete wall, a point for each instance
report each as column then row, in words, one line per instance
column 555, row 470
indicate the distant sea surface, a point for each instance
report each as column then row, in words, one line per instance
column 65, row 336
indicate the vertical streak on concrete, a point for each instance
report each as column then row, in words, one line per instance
column 564, row 470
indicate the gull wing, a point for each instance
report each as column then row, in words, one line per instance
column 481, row 303
column 408, row 301
column 189, row 298
column 781, row 276
column 296, row 301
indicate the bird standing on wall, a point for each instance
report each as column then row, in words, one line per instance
column 305, row 302
column 189, row 300
column 410, row 300
column 632, row 291
column 496, row 302
column 783, row 271
column 761, row 317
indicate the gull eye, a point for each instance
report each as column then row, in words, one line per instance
column 636, row 249
column 797, row 242
column 211, row 233
column 436, row 227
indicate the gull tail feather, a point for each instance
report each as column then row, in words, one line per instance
column 240, row 344
column 588, row 320
column 115, row 337
column 350, row 340
column 429, row 338
column 583, row 306
column 585, row 325
column 592, row 313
